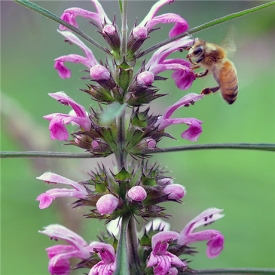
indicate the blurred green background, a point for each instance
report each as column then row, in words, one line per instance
column 240, row 182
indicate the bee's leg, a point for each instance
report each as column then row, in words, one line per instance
column 195, row 67
column 202, row 74
column 207, row 91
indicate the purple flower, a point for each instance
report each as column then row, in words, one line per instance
column 57, row 120
column 215, row 238
column 87, row 61
column 160, row 259
column 151, row 19
column 99, row 17
column 183, row 74
column 106, row 253
column 107, row 204
column 194, row 130
column 59, row 255
column 46, row 199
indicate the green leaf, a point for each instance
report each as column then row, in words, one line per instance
column 113, row 111
column 123, row 175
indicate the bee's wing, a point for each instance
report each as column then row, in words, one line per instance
column 228, row 42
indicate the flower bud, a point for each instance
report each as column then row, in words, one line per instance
column 144, row 145
column 151, row 143
column 99, row 72
column 165, row 181
column 99, row 145
column 137, row 193
column 107, row 204
column 109, row 29
column 95, row 144
column 111, row 36
column 102, row 76
column 145, row 78
column 174, row 191
column 136, row 39
column 140, row 33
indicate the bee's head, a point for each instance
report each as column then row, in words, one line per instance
column 196, row 52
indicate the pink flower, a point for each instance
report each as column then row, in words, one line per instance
column 137, row 193
column 107, row 204
column 107, row 254
column 46, row 199
column 99, row 17
column 183, row 74
column 194, row 130
column 151, row 20
column 215, row 238
column 160, row 259
column 58, row 120
column 59, row 255
column 89, row 60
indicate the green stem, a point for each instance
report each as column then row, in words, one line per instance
column 50, row 15
column 122, row 263
column 227, row 146
column 124, row 28
column 132, row 247
column 121, row 154
column 206, row 26
column 43, row 154
column 239, row 146
column 237, row 271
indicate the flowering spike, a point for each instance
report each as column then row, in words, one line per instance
column 122, row 126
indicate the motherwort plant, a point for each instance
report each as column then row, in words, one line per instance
column 124, row 126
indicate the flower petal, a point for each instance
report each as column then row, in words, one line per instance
column 180, row 24
column 66, row 100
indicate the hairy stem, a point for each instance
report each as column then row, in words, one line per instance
column 132, row 246
column 122, row 262
column 227, row 146
column 121, row 155
column 124, row 28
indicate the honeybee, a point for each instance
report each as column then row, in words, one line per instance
column 214, row 59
